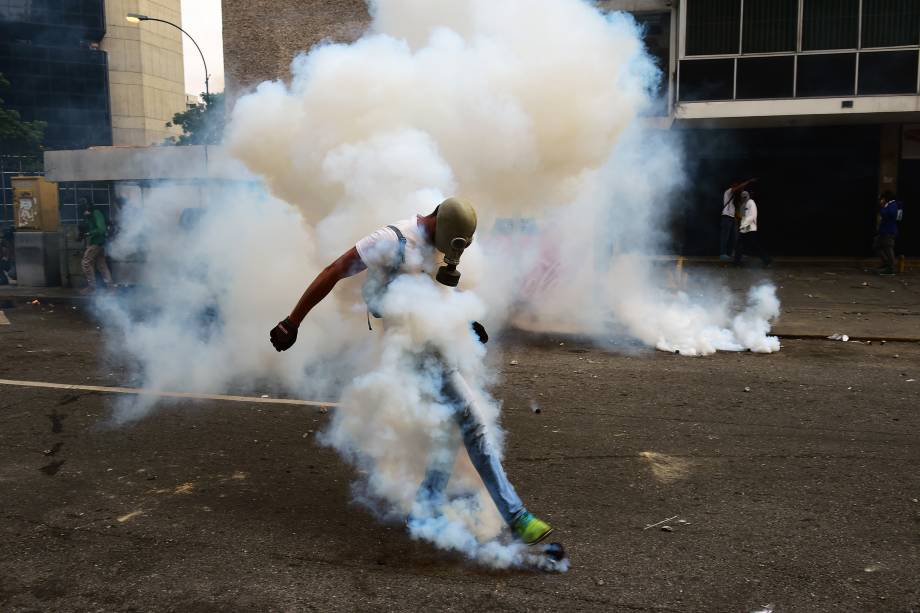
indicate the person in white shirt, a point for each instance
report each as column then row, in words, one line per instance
column 748, row 239
column 729, row 225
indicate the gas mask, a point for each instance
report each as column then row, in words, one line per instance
column 456, row 223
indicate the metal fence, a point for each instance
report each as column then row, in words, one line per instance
column 100, row 193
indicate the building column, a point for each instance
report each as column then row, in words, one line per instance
column 889, row 157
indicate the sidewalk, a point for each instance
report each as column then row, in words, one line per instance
column 60, row 295
column 817, row 299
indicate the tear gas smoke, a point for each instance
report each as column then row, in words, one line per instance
column 533, row 114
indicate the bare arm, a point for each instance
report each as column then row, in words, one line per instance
column 348, row 264
column 737, row 187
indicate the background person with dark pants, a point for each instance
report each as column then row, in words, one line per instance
column 748, row 239
column 729, row 227
column 887, row 232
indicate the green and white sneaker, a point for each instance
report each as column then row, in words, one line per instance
column 530, row 529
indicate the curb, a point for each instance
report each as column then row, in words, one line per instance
column 873, row 339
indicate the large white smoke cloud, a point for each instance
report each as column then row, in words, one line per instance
column 532, row 111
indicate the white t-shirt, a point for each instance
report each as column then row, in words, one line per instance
column 748, row 217
column 728, row 206
column 380, row 249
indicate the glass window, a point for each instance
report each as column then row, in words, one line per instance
column 713, row 26
column 830, row 24
column 831, row 74
column 656, row 34
column 890, row 23
column 706, row 80
column 765, row 77
column 890, row 72
column 769, row 25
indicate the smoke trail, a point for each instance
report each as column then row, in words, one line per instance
column 535, row 116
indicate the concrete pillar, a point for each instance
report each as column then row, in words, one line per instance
column 889, row 157
column 38, row 258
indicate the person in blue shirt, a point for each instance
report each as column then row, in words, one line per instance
column 887, row 231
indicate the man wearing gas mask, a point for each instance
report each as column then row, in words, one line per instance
column 408, row 247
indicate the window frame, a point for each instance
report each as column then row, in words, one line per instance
column 681, row 50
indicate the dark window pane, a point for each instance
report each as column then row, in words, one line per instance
column 769, row 25
column 656, row 34
column 890, row 72
column 890, row 23
column 706, row 79
column 832, row 74
column 830, row 24
column 765, row 77
column 713, row 26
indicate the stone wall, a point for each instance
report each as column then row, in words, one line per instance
column 261, row 37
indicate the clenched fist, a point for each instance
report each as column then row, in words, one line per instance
column 284, row 334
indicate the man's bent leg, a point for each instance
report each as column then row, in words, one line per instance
column 89, row 256
column 482, row 454
column 104, row 267
column 727, row 236
column 430, row 496
column 886, row 244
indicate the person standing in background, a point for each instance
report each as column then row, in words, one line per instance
column 888, row 215
column 729, row 224
column 95, row 230
column 748, row 239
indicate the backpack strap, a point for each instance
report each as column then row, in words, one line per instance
column 397, row 264
column 401, row 253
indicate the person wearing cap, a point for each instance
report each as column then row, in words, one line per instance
column 409, row 247
column 748, row 239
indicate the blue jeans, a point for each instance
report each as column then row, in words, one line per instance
column 482, row 454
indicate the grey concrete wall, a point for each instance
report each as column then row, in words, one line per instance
column 261, row 37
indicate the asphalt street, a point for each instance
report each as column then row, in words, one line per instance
column 790, row 482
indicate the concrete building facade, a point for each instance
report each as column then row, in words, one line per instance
column 92, row 76
column 261, row 37
column 146, row 74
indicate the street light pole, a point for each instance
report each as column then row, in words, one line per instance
column 137, row 18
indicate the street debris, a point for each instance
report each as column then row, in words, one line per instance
column 534, row 407
column 54, row 449
column 513, row 362
column 909, row 380
column 767, row 608
column 836, row 336
column 747, row 389
column 663, row 521
column 667, row 528
column 35, row 302
column 128, row 516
